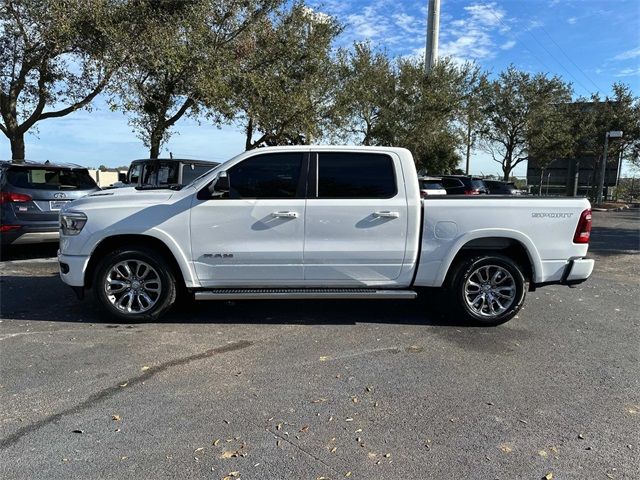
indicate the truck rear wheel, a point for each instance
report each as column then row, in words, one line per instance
column 489, row 290
column 135, row 284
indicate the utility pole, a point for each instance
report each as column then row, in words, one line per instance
column 433, row 30
column 603, row 167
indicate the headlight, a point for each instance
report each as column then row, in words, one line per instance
column 71, row 223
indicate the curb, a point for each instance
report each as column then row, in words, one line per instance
column 617, row 209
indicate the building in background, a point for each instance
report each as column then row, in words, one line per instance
column 559, row 178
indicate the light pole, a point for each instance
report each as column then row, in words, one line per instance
column 603, row 168
column 433, row 31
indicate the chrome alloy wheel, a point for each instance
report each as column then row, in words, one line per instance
column 490, row 290
column 133, row 286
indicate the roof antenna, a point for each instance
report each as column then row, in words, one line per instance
column 171, row 155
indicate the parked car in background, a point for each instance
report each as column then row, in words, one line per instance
column 31, row 196
column 498, row 187
column 431, row 186
column 158, row 172
column 464, row 185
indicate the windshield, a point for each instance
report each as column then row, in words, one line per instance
column 478, row 184
column 50, row 179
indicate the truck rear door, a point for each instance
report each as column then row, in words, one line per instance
column 356, row 218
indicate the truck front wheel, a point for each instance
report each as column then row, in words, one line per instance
column 489, row 290
column 135, row 284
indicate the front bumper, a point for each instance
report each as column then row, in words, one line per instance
column 72, row 269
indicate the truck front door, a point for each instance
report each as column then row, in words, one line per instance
column 254, row 235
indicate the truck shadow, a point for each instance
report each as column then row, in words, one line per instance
column 45, row 298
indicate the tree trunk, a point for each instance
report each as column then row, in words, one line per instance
column 17, row 146
column 154, row 143
column 249, row 135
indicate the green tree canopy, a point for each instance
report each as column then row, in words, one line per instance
column 55, row 58
column 182, row 62
column 284, row 78
column 525, row 115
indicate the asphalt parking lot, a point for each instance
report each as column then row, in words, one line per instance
column 332, row 389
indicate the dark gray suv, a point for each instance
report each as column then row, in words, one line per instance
column 31, row 196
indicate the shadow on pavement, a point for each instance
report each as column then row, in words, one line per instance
column 621, row 234
column 28, row 252
column 45, row 298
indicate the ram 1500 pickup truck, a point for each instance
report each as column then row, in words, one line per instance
column 319, row 222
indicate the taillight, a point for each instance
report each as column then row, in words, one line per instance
column 583, row 230
column 8, row 228
column 472, row 192
column 8, row 197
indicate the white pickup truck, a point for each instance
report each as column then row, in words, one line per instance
column 319, row 222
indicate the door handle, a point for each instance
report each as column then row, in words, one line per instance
column 386, row 214
column 285, row 214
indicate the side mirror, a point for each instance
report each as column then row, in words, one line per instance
column 220, row 186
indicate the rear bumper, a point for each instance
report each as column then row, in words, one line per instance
column 576, row 271
column 25, row 234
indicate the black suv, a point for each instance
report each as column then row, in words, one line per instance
column 498, row 187
column 464, row 185
column 159, row 172
column 31, row 196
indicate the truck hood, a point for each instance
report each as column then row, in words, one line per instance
column 119, row 197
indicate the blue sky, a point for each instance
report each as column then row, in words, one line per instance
column 591, row 43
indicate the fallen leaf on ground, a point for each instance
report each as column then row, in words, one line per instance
column 115, row 418
column 229, row 454
column 387, row 455
column 505, row 448
column 216, row 442
column 324, row 358
column 319, row 400
column 124, row 384
column 348, row 419
column 354, row 399
column 581, row 437
column 542, row 453
column 305, row 428
column 548, row 476
column 333, row 450
column 348, row 474
column 369, row 389
column 198, row 450
column 145, row 368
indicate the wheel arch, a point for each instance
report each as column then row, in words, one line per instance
column 511, row 244
column 178, row 263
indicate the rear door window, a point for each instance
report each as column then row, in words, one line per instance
column 50, row 179
column 356, row 175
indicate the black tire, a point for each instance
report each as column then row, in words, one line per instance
column 163, row 279
column 486, row 312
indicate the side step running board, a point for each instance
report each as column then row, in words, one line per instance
column 302, row 293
